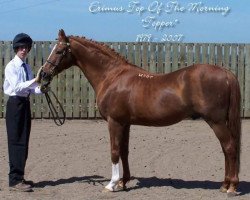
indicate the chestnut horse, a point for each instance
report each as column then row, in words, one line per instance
column 127, row 94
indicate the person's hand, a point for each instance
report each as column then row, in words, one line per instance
column 39, row 75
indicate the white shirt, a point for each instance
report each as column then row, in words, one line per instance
column 15, row 83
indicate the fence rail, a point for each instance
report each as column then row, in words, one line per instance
column 78, row 97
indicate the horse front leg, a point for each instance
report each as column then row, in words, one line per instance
column 124, row 158
column 116, row 134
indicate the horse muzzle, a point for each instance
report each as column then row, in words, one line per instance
column 45, row 76
column 46, row 80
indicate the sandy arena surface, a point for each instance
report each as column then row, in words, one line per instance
column 71, row 162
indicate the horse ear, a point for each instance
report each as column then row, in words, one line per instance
column 61, row 35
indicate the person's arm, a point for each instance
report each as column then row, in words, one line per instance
column 35, row 88
column 17, row 86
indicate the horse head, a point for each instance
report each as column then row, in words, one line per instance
column 59, row 59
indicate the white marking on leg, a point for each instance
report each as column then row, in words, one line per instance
column 115, row 177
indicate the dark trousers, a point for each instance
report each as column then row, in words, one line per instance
column 18, row 123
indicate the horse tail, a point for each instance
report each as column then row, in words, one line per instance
column 234, row 119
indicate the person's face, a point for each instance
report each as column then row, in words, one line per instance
column 22, row 52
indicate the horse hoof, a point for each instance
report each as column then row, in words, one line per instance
column 121, row 186
column 231, row 194
column 106, row 190
column 223, row 189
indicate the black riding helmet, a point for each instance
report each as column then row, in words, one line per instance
column 22, row 39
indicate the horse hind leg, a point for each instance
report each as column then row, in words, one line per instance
column 228, row 145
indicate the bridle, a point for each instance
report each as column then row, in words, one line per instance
column 58, row 121
column 62, row 54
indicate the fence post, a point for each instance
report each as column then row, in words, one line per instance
column 247, row 83
column 2, row 67
column 8, row 54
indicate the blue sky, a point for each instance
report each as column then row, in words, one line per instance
column 42, row 19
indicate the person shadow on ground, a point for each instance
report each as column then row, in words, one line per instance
column 88, row 179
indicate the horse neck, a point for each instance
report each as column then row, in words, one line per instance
column 94, row 62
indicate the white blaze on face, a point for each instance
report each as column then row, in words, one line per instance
column 115, row 177
column 50, row 54
column 52, row 51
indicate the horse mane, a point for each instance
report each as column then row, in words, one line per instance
column 101, row 46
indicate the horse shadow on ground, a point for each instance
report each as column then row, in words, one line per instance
column 94, row 180
column 243, row 188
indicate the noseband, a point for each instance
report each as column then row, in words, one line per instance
column 62, row 54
